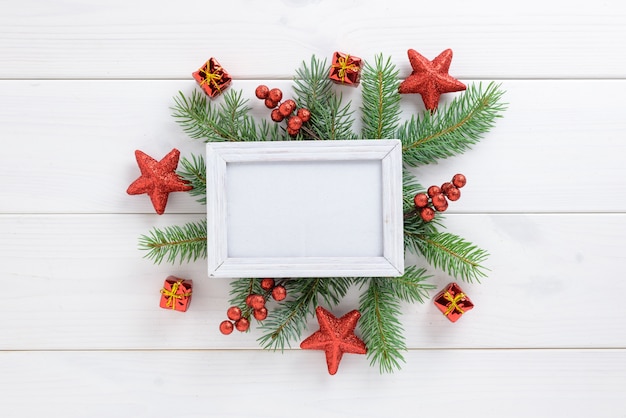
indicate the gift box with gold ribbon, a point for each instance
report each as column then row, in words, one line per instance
column 453, row 302
column 345, row 69
column 176, row 294
column 212, row 78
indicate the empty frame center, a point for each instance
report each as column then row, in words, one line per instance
column 304, row 209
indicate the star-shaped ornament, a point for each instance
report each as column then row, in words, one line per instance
column 430, row 78
column 158, row 178
column 335, row 337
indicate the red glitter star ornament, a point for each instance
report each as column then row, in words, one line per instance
column 335, row 337
column 430, row 78
column 158, row 178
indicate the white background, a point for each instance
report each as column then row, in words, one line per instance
column 84, row 84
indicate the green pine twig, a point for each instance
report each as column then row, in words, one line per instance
column 194, row 171
column 380, row 111
column 185, row 243
column 453, row 129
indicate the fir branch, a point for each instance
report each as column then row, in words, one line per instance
column 380, row 326
column 330, row 118
column 410, row 187
column 194, row 171
column 453, row 129
column 380, row 111
column 186, row 243
column 201, row 119
column 380, row 311
column 451, row 253
column 286, row 323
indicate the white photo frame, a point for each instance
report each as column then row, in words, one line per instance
column 305, row 209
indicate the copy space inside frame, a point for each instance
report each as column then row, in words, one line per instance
column 304, row 209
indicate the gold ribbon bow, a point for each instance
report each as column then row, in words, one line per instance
column 211, row 77
column 344, row 67
column 171, row 294
column 454, row 300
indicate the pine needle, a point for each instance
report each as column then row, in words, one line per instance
column 185, row 243
column 194, row 171
column 380, row 111
column 453, row 129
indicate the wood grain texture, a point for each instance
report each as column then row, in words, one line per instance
column 71, row 144
column 84, row 84
column 267, row 40
column 186, row 384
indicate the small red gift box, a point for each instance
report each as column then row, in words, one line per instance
column 212, row 78
column 176, row 294
column 345, row 69
column 453, row 302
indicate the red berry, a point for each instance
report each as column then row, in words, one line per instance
column 262, row 92
column 249, row 299
column 304, row 114
column 270, row 104
column 427, row 214
column 433, row 190
column 441, row 207
column 421, row 200
column 454, row 194
column 279, row 293
column 287, row 107
column 459, row 180
column 294, row 123
column 275, row 95
column 292, row 132
column 242, row 324
column 226, row 327
column 233, row 313
column 260, row 314
column 257, row 301
column 276, row 115
column 445, row 187
column 267, row 284
column 439, row 200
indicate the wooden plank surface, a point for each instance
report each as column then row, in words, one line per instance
column 71, row 144
column 84, row 84
column 477, row 383
column 259, row 40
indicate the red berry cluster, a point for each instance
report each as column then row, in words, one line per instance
column 240, row 320
column 283, row 110
column 435, row 198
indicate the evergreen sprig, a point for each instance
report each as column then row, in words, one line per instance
column 380, row 110
column 201, row 119
column 449, row 252
column 183, row 243
column 453, row 129
column 287, row 322
column 194, row 171
column 330, row 118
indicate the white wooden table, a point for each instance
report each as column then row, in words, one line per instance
column 84, row 84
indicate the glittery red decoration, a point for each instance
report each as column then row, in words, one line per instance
column 176, row 294
column 430, row 78
column 158, row 178
column 212, row 78
column 335, row 337
column 453, row 302
column 345, row 69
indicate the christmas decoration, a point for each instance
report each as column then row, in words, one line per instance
column 452, row 302
column 212, row 78
column 345, row 69
column 335, row 337
column 436, row 198
column 158, row 179
column 281, row 310
column 430, row 78
column 176, row 294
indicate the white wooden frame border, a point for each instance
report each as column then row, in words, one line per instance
column 388, row 151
